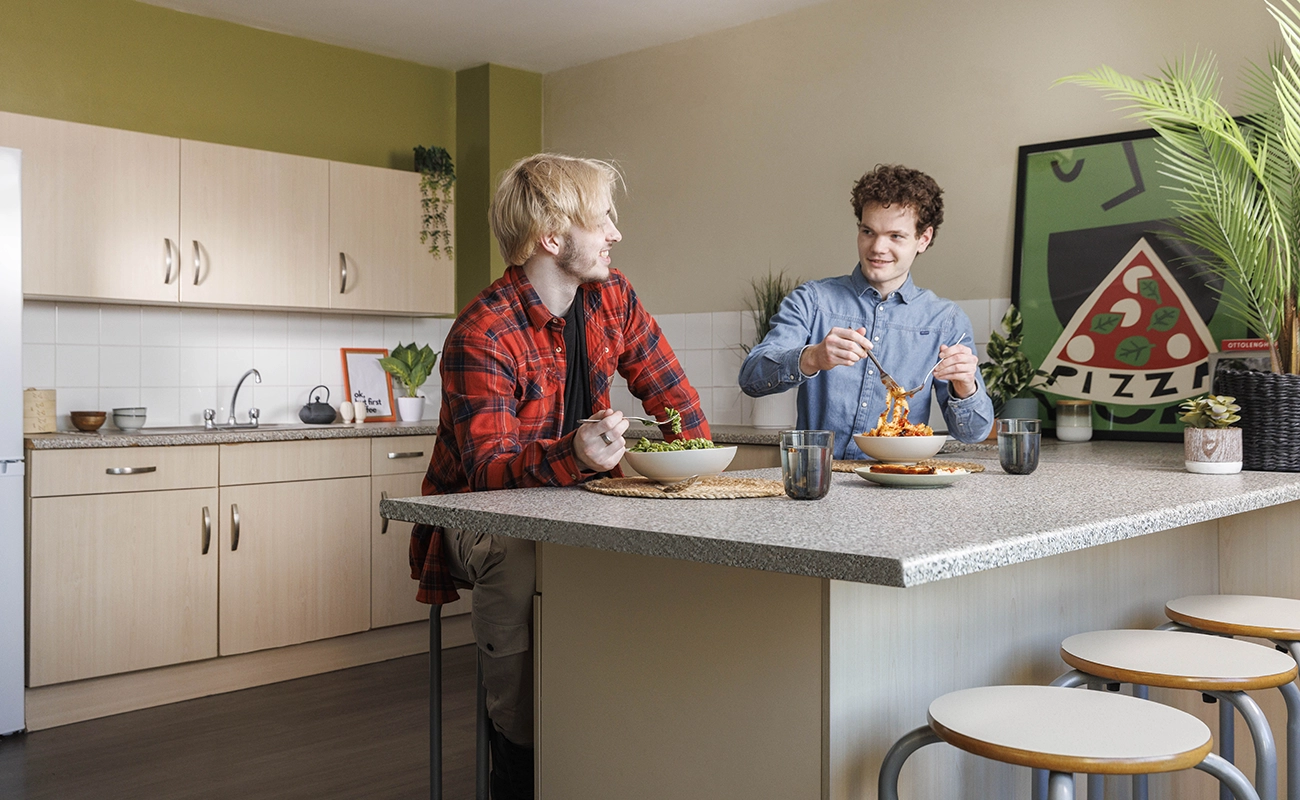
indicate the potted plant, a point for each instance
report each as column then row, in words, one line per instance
column 437, row 176
column 1211, row 446
column 773, row 410
column 1238, row 185
column 1009, row 374
column 412, row 366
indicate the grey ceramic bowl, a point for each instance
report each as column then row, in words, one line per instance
column 129, row 419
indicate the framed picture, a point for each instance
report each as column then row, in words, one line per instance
column 1116, row 306
column 366, row 383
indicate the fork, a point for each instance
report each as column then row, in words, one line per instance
column 645, row 420
column 891, row 385
column 670, row 488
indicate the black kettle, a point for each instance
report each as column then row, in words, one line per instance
column 316, row 412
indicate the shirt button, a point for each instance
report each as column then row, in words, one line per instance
column 559, row 349
column 869, row 372
column 864, row 405
column 877, row 338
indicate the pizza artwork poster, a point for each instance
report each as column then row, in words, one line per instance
column 1115, row 305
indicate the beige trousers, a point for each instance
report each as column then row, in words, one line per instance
column 501, row 570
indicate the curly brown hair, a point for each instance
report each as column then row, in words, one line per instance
column 890, row 184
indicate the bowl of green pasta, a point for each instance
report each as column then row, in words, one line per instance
column 666, row 462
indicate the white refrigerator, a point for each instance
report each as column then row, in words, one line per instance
column 11, row 444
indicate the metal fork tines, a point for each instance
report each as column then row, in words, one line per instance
column 645, row 420
column 885, row 378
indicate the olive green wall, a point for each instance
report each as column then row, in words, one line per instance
column 124, row 64
column 498, row 121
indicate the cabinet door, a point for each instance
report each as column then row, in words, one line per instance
column 300, row 567
column 100, row 214
column 392, row 592
column 121, row 582
column 377, row 262
column 256, row 223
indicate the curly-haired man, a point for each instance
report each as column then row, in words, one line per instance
column 823, row 330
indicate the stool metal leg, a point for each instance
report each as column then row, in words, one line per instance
column 1292, row 696
column 1039, row 787
column 1227, row 747
column 892, row 766
column 481, row 754
column 1229, row 777
column 1060, row 786
column 435, row 702
column 1261, row 734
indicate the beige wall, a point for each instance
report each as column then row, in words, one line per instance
column 740, row 147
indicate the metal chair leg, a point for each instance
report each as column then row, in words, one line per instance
column 435, row 702
column 887, row 783
column 482, row 754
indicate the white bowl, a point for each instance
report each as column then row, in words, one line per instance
column 899, row 449
column 129, row 421
column 676, row 465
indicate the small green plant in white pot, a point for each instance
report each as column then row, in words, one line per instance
column 1009, row 376
column 412, row 366
column 1211, row 446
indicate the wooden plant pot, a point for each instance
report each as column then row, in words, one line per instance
column 1212, row 451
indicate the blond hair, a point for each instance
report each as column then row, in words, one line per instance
column 546, row 194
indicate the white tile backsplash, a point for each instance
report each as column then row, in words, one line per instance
column 119, row 325
column 176, row 362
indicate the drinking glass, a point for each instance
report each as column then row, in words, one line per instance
column 1018, row 444
column 806, row 458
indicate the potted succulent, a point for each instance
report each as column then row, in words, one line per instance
column 773, row 410
column 1237, row 180
column 1211, row 446
column 1009, row 375
column 412, row 366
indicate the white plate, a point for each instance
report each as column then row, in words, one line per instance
column 912, row 481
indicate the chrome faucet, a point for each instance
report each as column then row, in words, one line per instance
column 253, row 413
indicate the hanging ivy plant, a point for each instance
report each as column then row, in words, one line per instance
column 437, row 176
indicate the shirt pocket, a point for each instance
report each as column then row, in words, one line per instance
column 537, row 397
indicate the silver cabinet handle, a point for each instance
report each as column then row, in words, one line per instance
column 343, row 272
column 412, row 454
column 196, row 262
column 170, row 256
column 383, row 526
column 129, row 470
column 207, row 530
column 234, row 527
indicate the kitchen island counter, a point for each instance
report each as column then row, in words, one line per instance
column 1080, row 496
column 764, row 648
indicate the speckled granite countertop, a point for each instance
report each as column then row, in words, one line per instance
column 1082, row 495
column 167, row 437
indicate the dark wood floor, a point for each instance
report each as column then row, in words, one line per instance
column 357, row 733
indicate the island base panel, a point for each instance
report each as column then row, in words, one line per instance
column 660, row 678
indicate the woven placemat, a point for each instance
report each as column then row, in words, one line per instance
column 842, row 465
column 713, row 487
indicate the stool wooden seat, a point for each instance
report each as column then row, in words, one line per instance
column 1066, row 731
column 1276, row 618
column 1178, row 660
column 1063, row 730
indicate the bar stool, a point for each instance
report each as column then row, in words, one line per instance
column 1274, row 618
column 1222, row 668
column 1065, row 731
column 481, row 759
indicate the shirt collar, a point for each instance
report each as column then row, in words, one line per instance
column 907, row 292
column 539, row 316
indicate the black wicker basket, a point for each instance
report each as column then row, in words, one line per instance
column 1270, row 418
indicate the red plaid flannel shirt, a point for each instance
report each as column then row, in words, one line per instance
column 503, row 369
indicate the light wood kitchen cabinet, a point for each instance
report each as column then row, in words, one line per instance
column 295, row 562
column 377, row 262
column 125, row 580
column 254, row 227
column 99, row 210
column 397, row 467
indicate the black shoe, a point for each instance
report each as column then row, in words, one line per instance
column 512, row 768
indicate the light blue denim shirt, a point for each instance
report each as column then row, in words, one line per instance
column 905, row 329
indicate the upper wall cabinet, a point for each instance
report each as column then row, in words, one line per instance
column 254, row 227
column 99, row 210
column 379, row 263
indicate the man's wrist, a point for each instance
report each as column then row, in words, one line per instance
column 804, row 366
